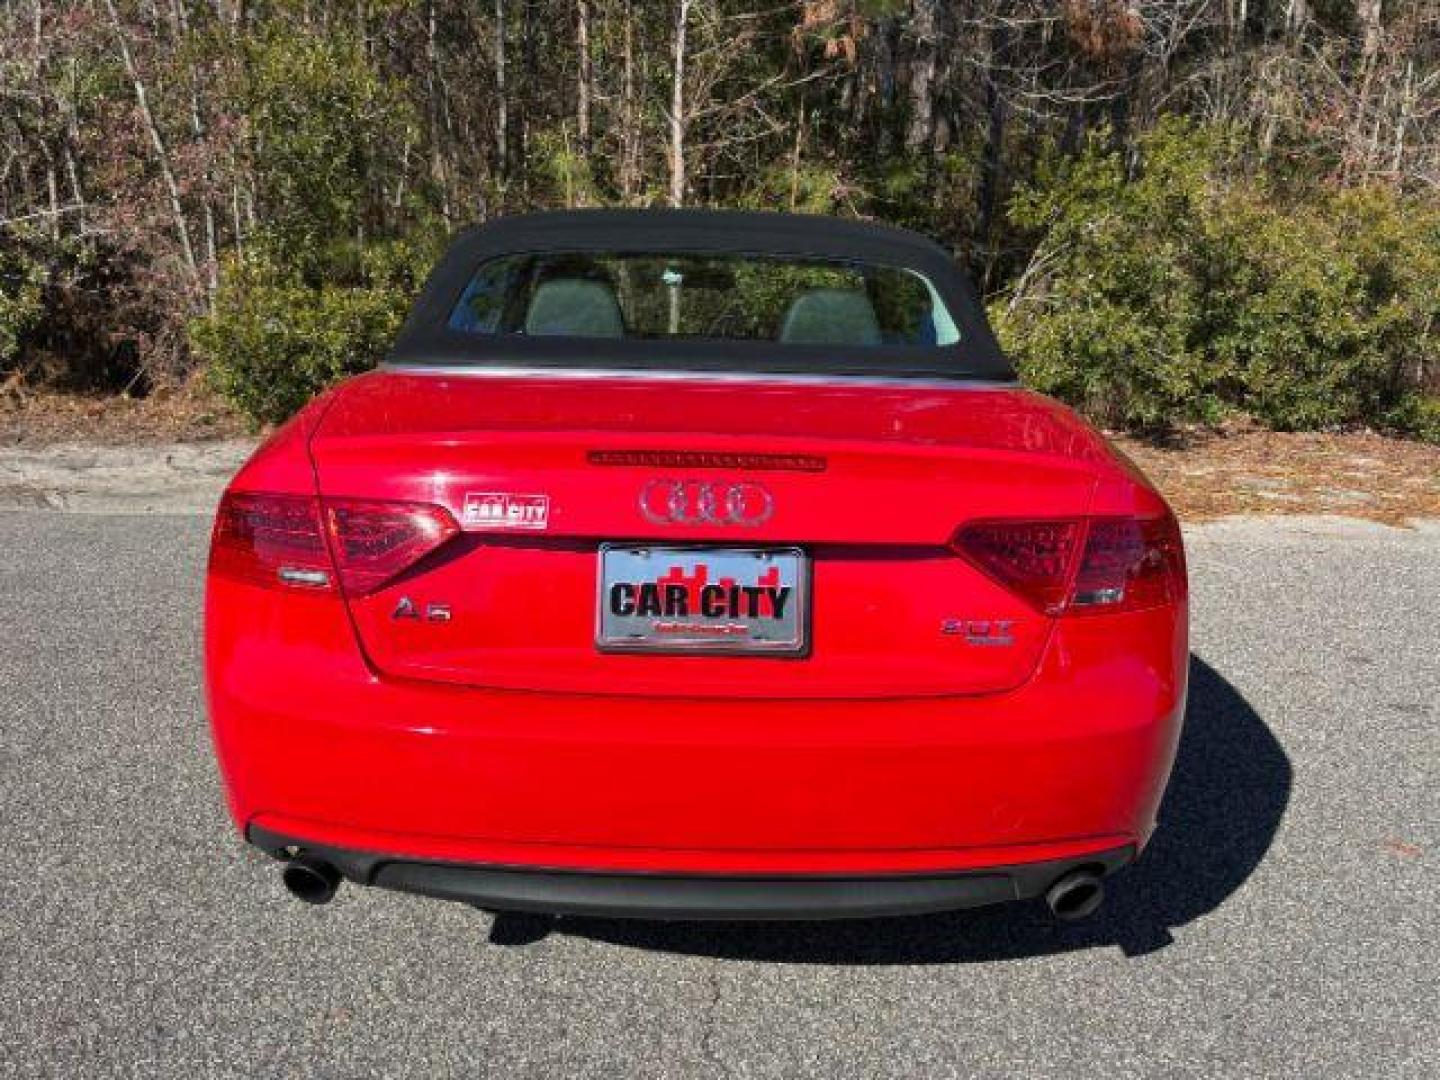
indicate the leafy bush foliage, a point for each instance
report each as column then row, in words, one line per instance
column 245, row 169
column 275, row 339
column 20, row 306
column 1191, row 291
column 327, row 133
column 320, row 294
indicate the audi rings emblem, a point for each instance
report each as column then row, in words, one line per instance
column 705, row 502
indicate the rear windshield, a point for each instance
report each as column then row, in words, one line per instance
column 703, row 297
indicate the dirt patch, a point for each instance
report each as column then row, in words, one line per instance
column 184, row 413
column 1357, row 474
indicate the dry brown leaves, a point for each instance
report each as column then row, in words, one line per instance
column 185, row 412
column 1356, row 474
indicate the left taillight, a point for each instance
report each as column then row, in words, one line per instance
column 374, row 542
column 280, row 541
column 271, row 540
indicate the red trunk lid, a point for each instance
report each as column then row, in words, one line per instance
column 870, row 482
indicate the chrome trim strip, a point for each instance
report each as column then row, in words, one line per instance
column 682, row 375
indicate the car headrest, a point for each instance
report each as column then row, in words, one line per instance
column 574, row 307
column 831, row 317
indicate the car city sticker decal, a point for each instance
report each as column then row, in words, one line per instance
column 505, row 510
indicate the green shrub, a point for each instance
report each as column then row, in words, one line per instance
column 275, row 340
column 317, row 296
column 1418, row 414
column 1107, row 314
column 20, row 303
column 329, row 131
column 1192, row 290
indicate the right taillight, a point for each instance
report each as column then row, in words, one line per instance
column 1081, row 566
column 1129, row 564
column 1031, row 558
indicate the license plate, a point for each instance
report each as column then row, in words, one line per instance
column 711, row 600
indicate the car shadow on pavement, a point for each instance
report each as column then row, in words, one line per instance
column 1226, row 798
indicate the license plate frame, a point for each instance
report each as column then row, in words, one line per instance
column 692, row 633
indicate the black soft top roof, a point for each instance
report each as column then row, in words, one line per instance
column 427, row 338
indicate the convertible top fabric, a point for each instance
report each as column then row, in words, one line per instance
column 427, row 338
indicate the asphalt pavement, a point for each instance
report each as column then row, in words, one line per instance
column 1281, row 924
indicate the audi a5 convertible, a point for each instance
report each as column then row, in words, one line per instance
column 684, row 564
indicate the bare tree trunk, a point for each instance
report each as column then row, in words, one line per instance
column 1121, row 109
column 1369, row 14
column 795, row 157
column 235, row 209
column 584, row 90
column 77, row 193
column 1407, row 106
column 1297, row 16
column 925, row 30
column 630, row 121
column 525, row 86
column 677, row 105
column 71, row 145
column 157, row 141
column 502, row 115
column 212, row 253
column 52, row 190
column 52, row 179
column 990, row 163
column 434, row 89
column 197, row 130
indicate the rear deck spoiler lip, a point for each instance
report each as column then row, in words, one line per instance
column 541, row 371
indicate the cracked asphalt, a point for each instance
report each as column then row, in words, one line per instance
column 1282, row 923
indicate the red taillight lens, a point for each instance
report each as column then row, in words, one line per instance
column 1031, row 558
column 1129, row 564
column 1124, row 564
column 270, row 540
column 373, row 542
column 277, row 540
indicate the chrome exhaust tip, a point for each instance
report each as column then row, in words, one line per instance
column 311, row 880
column 1077, row 895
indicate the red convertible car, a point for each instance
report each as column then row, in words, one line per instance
column 695, row 565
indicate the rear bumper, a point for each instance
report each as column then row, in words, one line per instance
column 314, row 744
column 697, row 896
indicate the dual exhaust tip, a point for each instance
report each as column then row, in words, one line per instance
column 1075, row 896
column 310, row 879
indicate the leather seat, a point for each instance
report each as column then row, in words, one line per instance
column 831, row 317
column 574, row 307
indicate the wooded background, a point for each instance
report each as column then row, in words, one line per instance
column 1178, row 209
